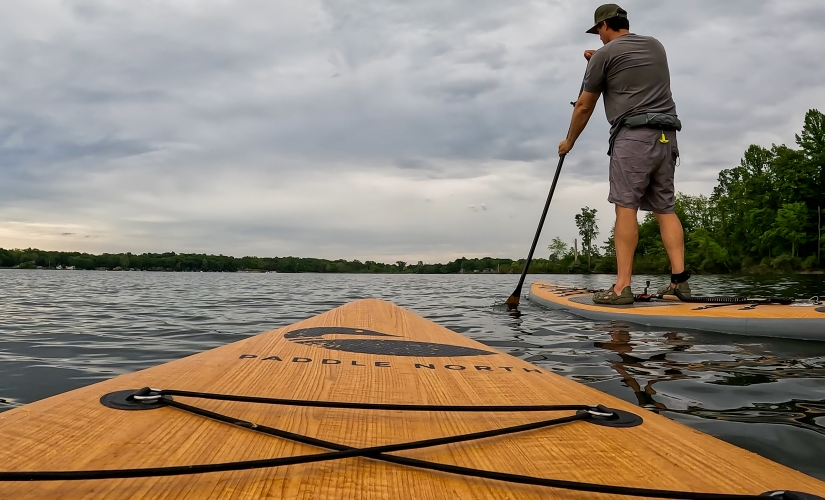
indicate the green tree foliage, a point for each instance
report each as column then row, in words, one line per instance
column 32, row 258
column 767, row 206
column 558, row 249
column 811, row 143
column 588, row 230
column 789, row 226
column 610, row 245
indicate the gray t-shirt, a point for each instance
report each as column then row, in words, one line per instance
column 632, row 74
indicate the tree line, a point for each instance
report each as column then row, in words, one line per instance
column 183, row 262
column 765, row 215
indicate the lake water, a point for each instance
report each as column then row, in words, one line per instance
column 60, row 330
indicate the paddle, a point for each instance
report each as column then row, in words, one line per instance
column 513, row 300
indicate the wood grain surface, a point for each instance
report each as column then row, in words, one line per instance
column 73, row 431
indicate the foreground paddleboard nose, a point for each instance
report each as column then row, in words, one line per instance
column 368, row 352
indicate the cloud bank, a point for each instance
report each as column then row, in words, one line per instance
column 356, row 129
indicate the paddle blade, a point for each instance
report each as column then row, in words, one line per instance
column 512, row 301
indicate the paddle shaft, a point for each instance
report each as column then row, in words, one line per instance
column 517, row 292
column 513, row 300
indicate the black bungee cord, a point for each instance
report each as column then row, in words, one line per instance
column 147, row 398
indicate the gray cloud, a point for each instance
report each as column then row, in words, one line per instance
column 355, row 128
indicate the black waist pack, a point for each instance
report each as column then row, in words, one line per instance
column 661, row 121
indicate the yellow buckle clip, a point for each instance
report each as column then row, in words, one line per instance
column 663, row 139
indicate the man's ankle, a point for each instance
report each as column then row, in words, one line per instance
column 677, row 278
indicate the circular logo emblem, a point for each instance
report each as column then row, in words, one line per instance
column 367, row 343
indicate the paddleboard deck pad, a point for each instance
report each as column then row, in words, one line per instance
column 365, row 401
column 803, row 320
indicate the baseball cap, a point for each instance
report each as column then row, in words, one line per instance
column 605, row 12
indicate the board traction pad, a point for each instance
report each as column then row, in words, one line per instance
column 587, row 300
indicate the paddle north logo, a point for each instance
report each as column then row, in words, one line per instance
column 384, row 345
column 315, row 337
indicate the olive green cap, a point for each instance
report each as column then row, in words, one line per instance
column 605, row 12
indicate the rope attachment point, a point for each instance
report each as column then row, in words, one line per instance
column 609, row 417
column 135, row 399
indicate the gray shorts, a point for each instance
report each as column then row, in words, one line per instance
column 642, row 168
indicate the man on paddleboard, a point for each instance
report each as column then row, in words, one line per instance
column 631, row 72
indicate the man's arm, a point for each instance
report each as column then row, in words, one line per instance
column 581, row 115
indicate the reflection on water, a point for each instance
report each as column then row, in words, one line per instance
column 629, row 367
column 63, row 330
column 746, row 370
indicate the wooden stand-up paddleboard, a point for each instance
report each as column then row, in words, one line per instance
column 368, row 351
column 804, row 320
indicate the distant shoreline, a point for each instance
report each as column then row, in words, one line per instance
column 405, row 272
column 181, row 262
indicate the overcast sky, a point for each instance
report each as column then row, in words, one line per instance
column 380, row 130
